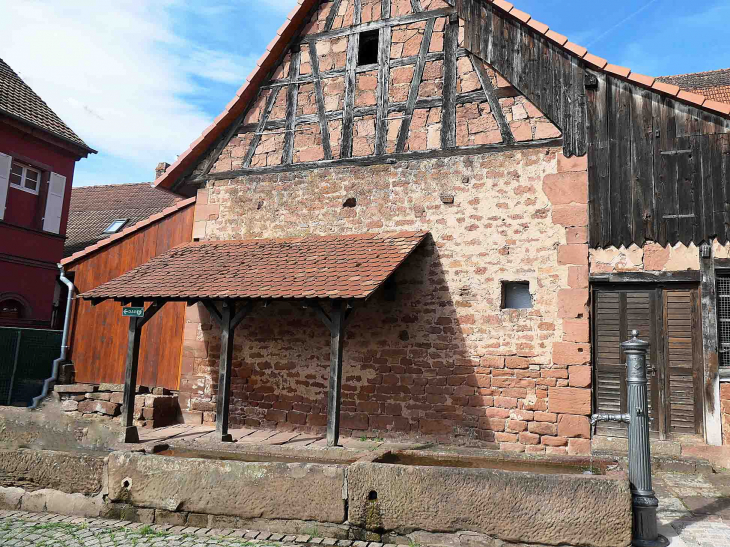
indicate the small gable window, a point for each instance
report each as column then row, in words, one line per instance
column 115, row 226
column 368, row 53
column 25, row 178
column 516, row 295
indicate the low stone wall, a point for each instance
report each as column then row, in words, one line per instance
column 157, row 407
column 384, row 503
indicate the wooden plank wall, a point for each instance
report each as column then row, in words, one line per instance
column 642, row 186
column 99, row 334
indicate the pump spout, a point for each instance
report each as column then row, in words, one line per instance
column 621, row 418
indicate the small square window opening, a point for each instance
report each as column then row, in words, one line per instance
column 516, row 295
column 115, row 226
column 368, row 52
column 25, row 178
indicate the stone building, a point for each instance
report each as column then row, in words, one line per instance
column 504, row 143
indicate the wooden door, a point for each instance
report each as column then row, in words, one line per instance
column 616, row 314
column 669, row 320
column 683, row 362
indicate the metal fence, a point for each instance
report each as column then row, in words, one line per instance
column 26, row 360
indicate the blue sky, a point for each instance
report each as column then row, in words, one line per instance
column 140, row 79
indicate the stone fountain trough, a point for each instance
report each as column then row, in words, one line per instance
column 386, row 496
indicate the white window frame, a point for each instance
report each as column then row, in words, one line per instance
column 23, row 176
column 124, row 222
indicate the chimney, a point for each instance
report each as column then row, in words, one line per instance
column 160, row 169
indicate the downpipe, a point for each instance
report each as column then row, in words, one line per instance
column 64, row 340
column 643, row 498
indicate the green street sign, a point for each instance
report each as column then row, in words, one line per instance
column 132, row 312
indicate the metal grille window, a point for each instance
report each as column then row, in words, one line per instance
column 723, row 317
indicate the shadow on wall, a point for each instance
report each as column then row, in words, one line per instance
column 407, row 367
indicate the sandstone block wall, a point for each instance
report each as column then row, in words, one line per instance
column 152, row 408
column 442, row 359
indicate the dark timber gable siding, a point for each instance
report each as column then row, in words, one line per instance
column 659, row 168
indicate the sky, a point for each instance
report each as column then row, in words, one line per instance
column 139, row 80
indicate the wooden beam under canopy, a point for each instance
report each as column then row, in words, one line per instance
column 131, row 434
column 227, row 319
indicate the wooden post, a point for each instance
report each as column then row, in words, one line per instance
column 224, row 375
column 227, row 320
column 711, row 383
column 334, row 398
column 130, row 376
column 130, row 382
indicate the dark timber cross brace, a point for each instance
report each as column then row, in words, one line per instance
column 130, row 378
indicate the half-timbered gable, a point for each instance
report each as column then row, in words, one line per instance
column 370, row 79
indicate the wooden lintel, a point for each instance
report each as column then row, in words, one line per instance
column 647, row 277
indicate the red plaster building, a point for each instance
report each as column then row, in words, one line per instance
column 38, row 153
column 555, row 202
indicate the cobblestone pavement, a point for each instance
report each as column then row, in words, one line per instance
column 694, row 509
column 42, row 529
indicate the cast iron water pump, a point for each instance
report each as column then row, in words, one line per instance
column 644, row 500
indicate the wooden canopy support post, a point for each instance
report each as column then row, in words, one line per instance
column 130, row 378
column 228, row 319
column 336, row 323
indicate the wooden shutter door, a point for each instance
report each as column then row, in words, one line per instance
column 5, row 163
column 54, row 203
column 616, row 314
column 683, row 383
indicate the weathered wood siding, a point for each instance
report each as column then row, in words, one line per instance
column 643, row 183
column 99, row 334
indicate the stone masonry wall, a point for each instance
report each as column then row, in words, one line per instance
column 157, row 407
column 441, row 359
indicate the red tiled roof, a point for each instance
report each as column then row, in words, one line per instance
column 313, row 267
column 297, row 17
column 19, row 101
column 715, row 84
column 94, row 208
column 182, row 204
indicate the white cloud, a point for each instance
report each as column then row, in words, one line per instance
column 118, row 73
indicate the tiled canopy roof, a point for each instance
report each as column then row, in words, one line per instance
column 94, row 208
column 298, row 15
column 715, row 84
column 19, row 101
column 342, row 266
